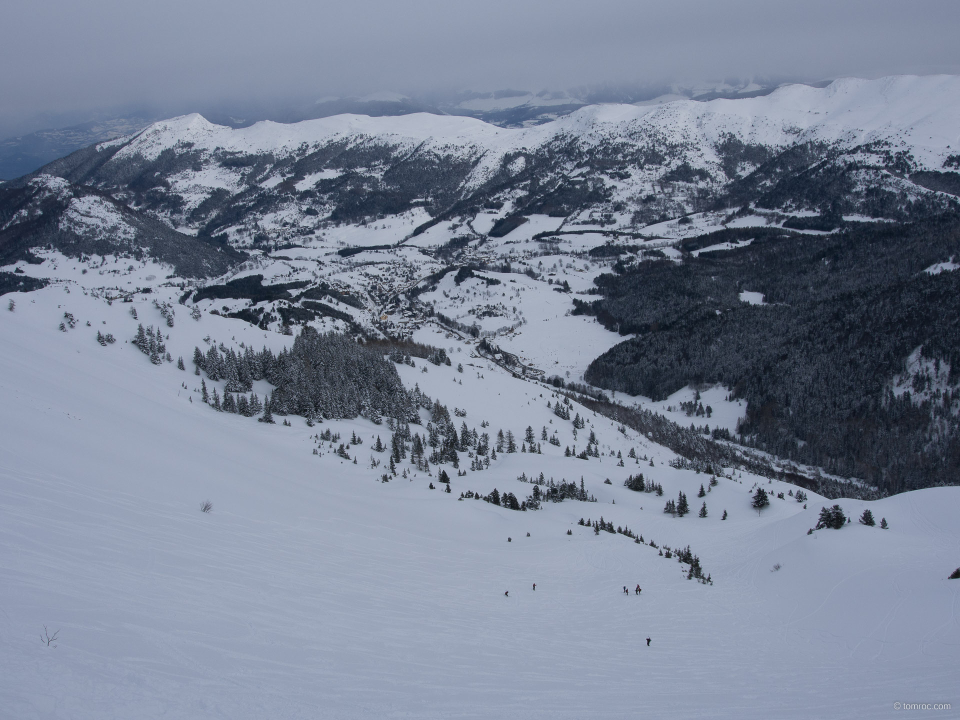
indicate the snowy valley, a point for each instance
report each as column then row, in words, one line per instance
column 391, row 417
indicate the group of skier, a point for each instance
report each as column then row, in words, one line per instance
column 625, row 592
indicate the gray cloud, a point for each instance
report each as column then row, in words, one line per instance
column 66, row 56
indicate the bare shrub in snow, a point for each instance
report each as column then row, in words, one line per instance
column 48, row 639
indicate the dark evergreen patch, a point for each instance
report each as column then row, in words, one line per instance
column 321, row 375
column 505, row 226
column 816, row 363
column 14, row 282
column 250, row 287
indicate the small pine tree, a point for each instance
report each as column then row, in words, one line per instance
column 702, row 493
column 867, row 518
column 229, row 404
column 267, row 412
column 180, row 365
column 883, row 524
column 831, row 518
column 682, row 506
column 760, row 500
column 703, row 510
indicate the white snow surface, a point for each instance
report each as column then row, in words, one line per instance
column 752, row 298
column 937, row 268
column 312, row 590
column 94, row 215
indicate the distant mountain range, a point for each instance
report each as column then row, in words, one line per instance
column 876, row 149
column 507, row 108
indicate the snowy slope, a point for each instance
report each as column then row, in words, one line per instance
column 312, row 590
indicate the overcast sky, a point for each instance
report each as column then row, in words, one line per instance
column 64, row 57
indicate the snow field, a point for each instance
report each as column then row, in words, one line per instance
column 311, row 590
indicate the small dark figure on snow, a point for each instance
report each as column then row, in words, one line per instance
column 638, row 589
column 625, row 591
column 534, row 586
column 648, row 642
column 507, row 594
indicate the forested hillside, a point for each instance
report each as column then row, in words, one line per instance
column 851, row 362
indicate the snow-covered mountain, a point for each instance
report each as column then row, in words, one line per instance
column 760, row 290
column 877, row 148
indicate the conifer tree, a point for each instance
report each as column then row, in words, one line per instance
column 682, row 506
column 141, row 339
column 883, row 524
column 267, row 412
column 702, row 492
column 831, row 518
column 760, row 500
column 867, row 518
column 703, row 510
